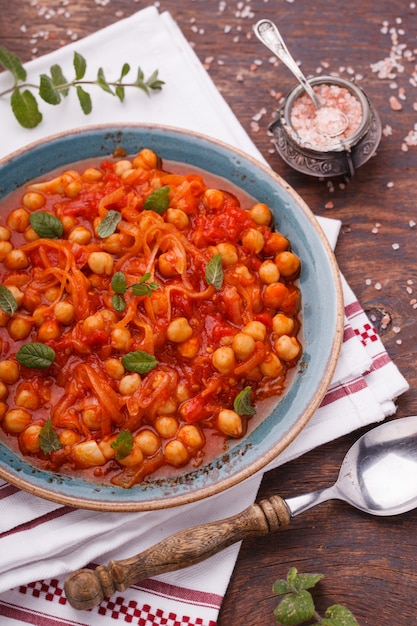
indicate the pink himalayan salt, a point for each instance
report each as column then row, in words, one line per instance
column 304, row 116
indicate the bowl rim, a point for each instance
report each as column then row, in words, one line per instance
column 295, row 429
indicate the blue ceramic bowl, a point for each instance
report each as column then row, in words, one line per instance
column 322, row 315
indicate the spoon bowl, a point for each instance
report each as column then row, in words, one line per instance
column 377, row 476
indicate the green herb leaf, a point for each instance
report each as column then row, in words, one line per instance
column 139, row 361
column 242, row 404
column 295, row 608
column 123, row 444
column 118, row 282
column 35, row 355
column 46, row 225
column 158, row 200
column 80, row 65
column 12, row 63
column 306, row 581
column 59, row 80
column 143, row 288
column 338, row 615
column 125, row 71
column 84, row 99
column 102, row 82
column 48, row 438
column 120, row 92
column 47, row 90
column 25, row 108
column 214, row 272
column 109, row 224
column 7, row 300
column 118, row 303
column 154, row 82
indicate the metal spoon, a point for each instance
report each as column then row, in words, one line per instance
column 377, row 476
column 330, row 121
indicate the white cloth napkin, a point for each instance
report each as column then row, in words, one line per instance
column 40, row 541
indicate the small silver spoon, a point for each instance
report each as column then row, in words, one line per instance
column 330, row 121
column 377, row 476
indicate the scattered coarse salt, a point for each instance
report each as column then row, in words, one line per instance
column 375, row 230
column 390, row 184
column 412, row 224
column 399, row 342
column 396, row 329
column 378, row 286
column 329, row 205
column 409, row 290
column 395, row 246
column 368, row 282
column 395, row 104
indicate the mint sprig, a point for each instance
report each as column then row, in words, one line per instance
column 53, row 87
column 144, row 287
column 297, row 605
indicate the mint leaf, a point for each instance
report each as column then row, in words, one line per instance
column 242, row 404
column 118, row 303
column 7, row 300
column 109, row 224
column 25, row 108
column 306, row 581
column 84, row 99
column 58, row 79
column 158, row 200
column 139, row 361
column 48, row 438
column 35, row 355
column 80, row 65
column 46, row 225
column 295, row 608
column 102, row 82
column 338, row 615
column 123, row 444
column 12, row 63
column 47, row 90
column 214, row 272
column 118, row 283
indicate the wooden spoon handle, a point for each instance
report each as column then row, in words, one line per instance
column 86, row 588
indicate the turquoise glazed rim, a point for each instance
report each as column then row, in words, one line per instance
column 322, row 315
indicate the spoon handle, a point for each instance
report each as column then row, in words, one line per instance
column 269, row 35
column 86, row 588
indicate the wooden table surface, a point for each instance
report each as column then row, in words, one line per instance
column 368, row 563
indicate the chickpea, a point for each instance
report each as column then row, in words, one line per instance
column 261, row 214
column 133, row 458
column 88, row 454
column 223, row 359
column 243, row 345
column 80, row 235
column 27, row 397
column 228, row 252
column 268, row 272
column 30, row 235
column 175, row 453
column 189, row 349
column 276, row 243
column 113, row 244
column 179, row 330
column 287, row 348
column 182, row 393
column 101, row 263
column 16, row 420
column 288, row 263
column 148, row 441
column 178, row 218
column 48, row 330
column 29, row 439
column 191, row 436
column 52, row 294
column 122, row 166
column 244, row 275
column 3, row 410
column 108, row 316
column 33, row 200
column 18, row 295
column 282, row 324
column 129, row 384
column 253, row 240
column 271, row 366
column 5, row 249
column 16, row 260
column 106, row 448
column 64, row 312
column 255, row 329
column 230, row 423
column 166, row 426
column 39, row 314
column 146, row 160
column 274, row 295
column 73, row 189
column 167, row 264
column 4, row 233
column 114, row 368
column 19, row 328
column 121, row 339
column 169, row 407
column 9, row 372
column 4, row 391
column 68, row 222
column 4, row 318
column 93, row 322
column 92, row 175
column 213, row 198
column 69, row 437
column 18, row 220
